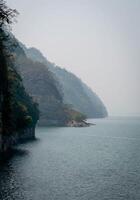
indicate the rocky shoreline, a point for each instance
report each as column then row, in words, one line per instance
column 74, row 123
column 7, row 142
column 70, row 123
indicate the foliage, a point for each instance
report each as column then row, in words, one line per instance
column 17, row 109
column 25, row 109
column 7, row 15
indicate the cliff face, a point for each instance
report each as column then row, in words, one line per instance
column 55, row 89
column 42, row 86
column 45, row 89
column 75, row 92
column 20, row 111
column 22, row 135
column 79, row 95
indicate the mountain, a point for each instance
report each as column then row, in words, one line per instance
column 18, row 112
column 41, row 84
column 76, row 93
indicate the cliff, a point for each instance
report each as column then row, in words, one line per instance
column 41, row 84
column 18, row 112
column 75, row 93
column 55, row 89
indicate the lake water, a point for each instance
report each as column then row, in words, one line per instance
column 100, row 162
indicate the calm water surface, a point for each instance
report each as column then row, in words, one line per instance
column 100, row 162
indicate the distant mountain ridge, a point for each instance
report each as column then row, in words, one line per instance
column 76, row 93
column 40, row 83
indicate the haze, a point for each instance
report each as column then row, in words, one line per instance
column 95, row 39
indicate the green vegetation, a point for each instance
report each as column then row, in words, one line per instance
column 17, row 109
column 54, row 87
column 26, row 111
column 21, row 110
column 44, row 87
column 6, row 17
column 50, row 86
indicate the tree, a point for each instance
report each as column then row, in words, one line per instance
column 7, row 16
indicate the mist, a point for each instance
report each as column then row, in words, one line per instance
column 95, row 39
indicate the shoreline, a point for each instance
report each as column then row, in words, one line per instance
column 74, row 123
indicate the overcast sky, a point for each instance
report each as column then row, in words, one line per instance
column 98, row 40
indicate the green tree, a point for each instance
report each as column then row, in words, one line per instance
column 7, row 15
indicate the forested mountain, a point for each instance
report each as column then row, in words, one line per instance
column 44, row 88
column 58, row 92
column 76, row 93
column 18, row 112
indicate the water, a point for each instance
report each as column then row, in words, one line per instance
column 100, row 162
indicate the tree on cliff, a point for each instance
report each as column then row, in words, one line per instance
column 7, row 15
column 18, row 111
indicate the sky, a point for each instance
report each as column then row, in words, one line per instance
column 98, row 40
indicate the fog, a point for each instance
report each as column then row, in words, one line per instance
column 97, row 40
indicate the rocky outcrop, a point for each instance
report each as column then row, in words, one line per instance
column 7, row 142
column 26, row 134
column 74, row 123
column 18, row 111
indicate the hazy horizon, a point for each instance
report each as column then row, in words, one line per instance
column 96, row 40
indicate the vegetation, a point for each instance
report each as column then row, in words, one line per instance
column 74, row 115
column 17, row 109
column 6, row 17
column 25, row 110
column 43, row 86
column 54, row 87
column 75, row 92
column 49, row 85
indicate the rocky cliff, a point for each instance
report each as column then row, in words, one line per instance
column 55, row 89
column 18, row 112
column 43, row 87
column 75, row 93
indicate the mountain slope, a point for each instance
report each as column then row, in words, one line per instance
column 44, row 88
column 18, row 112
column 76, row 93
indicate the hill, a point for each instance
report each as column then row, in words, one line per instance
column 76, row 93
column 41, row 84
column 18, row 112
